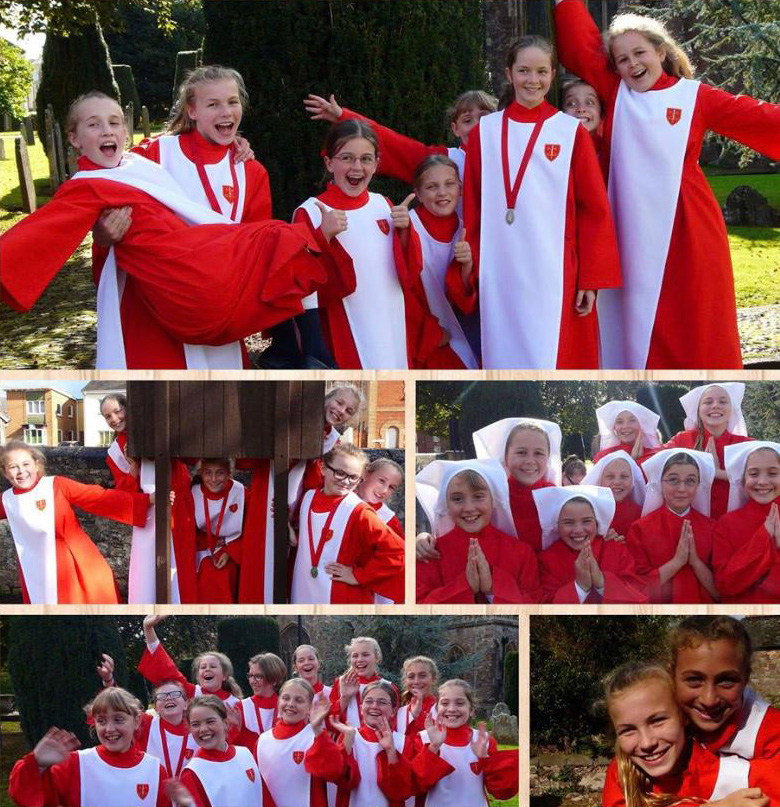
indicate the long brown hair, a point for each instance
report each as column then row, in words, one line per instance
column 180, row 121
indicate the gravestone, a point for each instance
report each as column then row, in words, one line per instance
column 129, row 124
column 745, row 206
column 29, row 202
column 147, row 129
column 2, row 149
column 55, row 178
column 29, row 130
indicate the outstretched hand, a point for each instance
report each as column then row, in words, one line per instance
column 321, row 109
column 482, row 742
column 54, row 747
column 106, row 670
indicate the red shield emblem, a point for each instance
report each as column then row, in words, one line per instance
column 41, row 504
column 142, row 790
column 229, row 192
column 250, row 774
column 551, row 151
column 673, row 115
column 297, row 757
column 233, row 507
column 188, row 753
column 384, row 225
column 475, row 768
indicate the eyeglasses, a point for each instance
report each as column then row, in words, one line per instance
column 342, row 476
column 169, row 696
column 381, row 702
column 351, row 159
column 675, row 481
column 255, row 676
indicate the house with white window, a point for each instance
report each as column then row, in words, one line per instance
column 43, row 416
column 96, row 433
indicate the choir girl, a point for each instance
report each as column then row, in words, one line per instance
column 713, row 420
column 266, row 674
column 115, row 773
column 419, row 677
column 532, row 164
column 746, row 541
column 306, row 665
column 345, row 553
column 578, row 564
column 627, row 426
column 458, row 764
column 582, row 101
column 530, row 451
column 711, row 660
column 380, row 481
column 58, row 563
column 467, row 504
column 674, row 290
column 672, row 542
column 655, row 763
column 619, row 472
column 573, row 470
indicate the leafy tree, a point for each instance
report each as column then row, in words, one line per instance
column 242, row 637
column 15, row 79
column 760, row 406
column 438, row 402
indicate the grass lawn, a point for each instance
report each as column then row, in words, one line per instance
column 768, row 185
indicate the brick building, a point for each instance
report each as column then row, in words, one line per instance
column 765, row 633
column 43, row 416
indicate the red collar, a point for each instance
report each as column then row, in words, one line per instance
column 374, row 677
column 283, row 731
column 368, row 734
column 265, row 701
column 180, row 729
column 216, row 756
column 120, row 759
column 460, row 736
column 85, row 164
column 215, row 497
column 522, row 114
column 442, row 228
column 193, row 143
column 519, row 487
column 323, row 503
column 335, row 197
column 664, row 82
column 121, row 439
column 20, row 492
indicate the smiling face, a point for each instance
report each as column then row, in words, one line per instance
column 439, row 190
column 114, row 414
column 582, row 102
column 363, row 659
column 679, row 485
column 294, row 704
column 208, row 728
column 260, row 684
column 380, row 484
column 341, row 464
column 376, row 705
column 649, row 726
column 638, row 62
column 210, row 673
column 466, row 121
column 341, row 407
column 419, row 679
column 214, row 476
column 715, row 410
column 21, row 469
column 469, row 507
column 531, row 76
column 170, row 702
column 762, row 476
column 618, row 478
column 577, row 524
column 626, row 427
column 115, row 729
column 710, row 681
column 353, row 166
column 100, row 132
column 217, row 111
column 527, row 456
column 453, row 707
column 307, row 665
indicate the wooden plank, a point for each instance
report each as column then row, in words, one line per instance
column 213, row 402
column 162, row 467
column 192, row 425
column 281, row 424
column 136, row 422
column 231, row 420
column 257, row 418
column 294, row 415
column 29, row 199
column 173, row 418
column 311, row 419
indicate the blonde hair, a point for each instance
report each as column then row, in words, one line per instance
column 19, row 445
column 473, row 479
column 272, row 667
column 464, row 685
column 635, row 783
column 526, row 426
column 72, row 118
column 180, row 121
column 227, row 670
column 114, row 699
column 406, row 695
column 346, row 450
column 699, row 444
column 431, row 161
column 369, row 640
column 351, row 388
column 299, row 682
column 307, row 647
column 383, row 462
column 697, row 630
column 469, row 100
column 676, row 62
column 210, row 702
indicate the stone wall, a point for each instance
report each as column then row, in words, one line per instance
column 766, row 674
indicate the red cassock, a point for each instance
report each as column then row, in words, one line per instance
column 765, row 743
column 122, row 480
column 171, row 744
column 456, row 777
column 363, row 266
column 628, row 448
column 353, row 714
column 524, row 512
column 80, row 574
column 255, row 583
column 395, row 589
column 653, row 541
column 698, row 286
column 221, row 778
column 89, row 777
column 513, row 567
column 621, row 583
column 183, row 533
column 626, row 513
column 719, row 498
column 580, row 246
column 745, row 557
column 414, row 725
column 211, row 284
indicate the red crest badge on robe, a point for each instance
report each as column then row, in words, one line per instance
column 551, row 151
column 229, row 192
column 233, row 507
column 188, row 752
column 297, row 757
column 142, row 790
column 384, row 225
column 475, row 768
column 673, row 115
column 41, row 504
column 250, row 774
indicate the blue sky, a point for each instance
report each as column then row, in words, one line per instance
column 72, row 388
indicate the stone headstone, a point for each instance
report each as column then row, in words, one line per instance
column 747, row 207
column 59, row 148
column 28, row 123
column 29, row 200
column 147, row 128
column 505, row 729
column 129, row 124
column 2, row 149
column 55, row 178
column 499, row 709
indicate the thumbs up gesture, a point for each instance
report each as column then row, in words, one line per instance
column 400, row 213
column 463, row 256
column 333, row 221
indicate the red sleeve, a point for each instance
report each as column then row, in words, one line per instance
column 118, row 505
column 382, row 552
column 399, row 155
column 462, row 295
column 149, row 147
column 754, row 123
column 58, row 785
column 258, row 205
column 395, row 526
column 326, row 760
column 556, row 582
column 581, row 48
column 428, row 768
column 433, row 588
column 740, row 565
column 612, row 795
column 2, row 509
column 597, row 250
column 159, row 666
column 163, row 799
column 183, row 530
column 768, row 738
column 395, row 781
column 635, row 542
column 524, row 588
column 141, row 736
column 621, row 582
column 122, row 481
column 472, row 217
column 192, row 783
column 501, row 770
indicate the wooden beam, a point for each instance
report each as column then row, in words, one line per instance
column 162, row 467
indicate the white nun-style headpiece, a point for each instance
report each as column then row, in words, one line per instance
column 593, row 477
column 550, row 501
column 736, row 457
column 654, row 467
column 490, row 442
column 607, row 414
column 431, row 489
column 734, row 389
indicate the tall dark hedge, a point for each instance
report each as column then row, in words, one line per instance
column 71, row 66
column 128, row 93
column 399, row 62
column 511, row 681
column 52, row 661
column 242, row 637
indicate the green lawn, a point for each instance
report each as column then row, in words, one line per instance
column 768, row 185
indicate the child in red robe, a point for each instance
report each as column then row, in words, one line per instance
column 627, row 426
column 619, row 472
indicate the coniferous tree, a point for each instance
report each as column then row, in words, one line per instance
column 242, row 637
